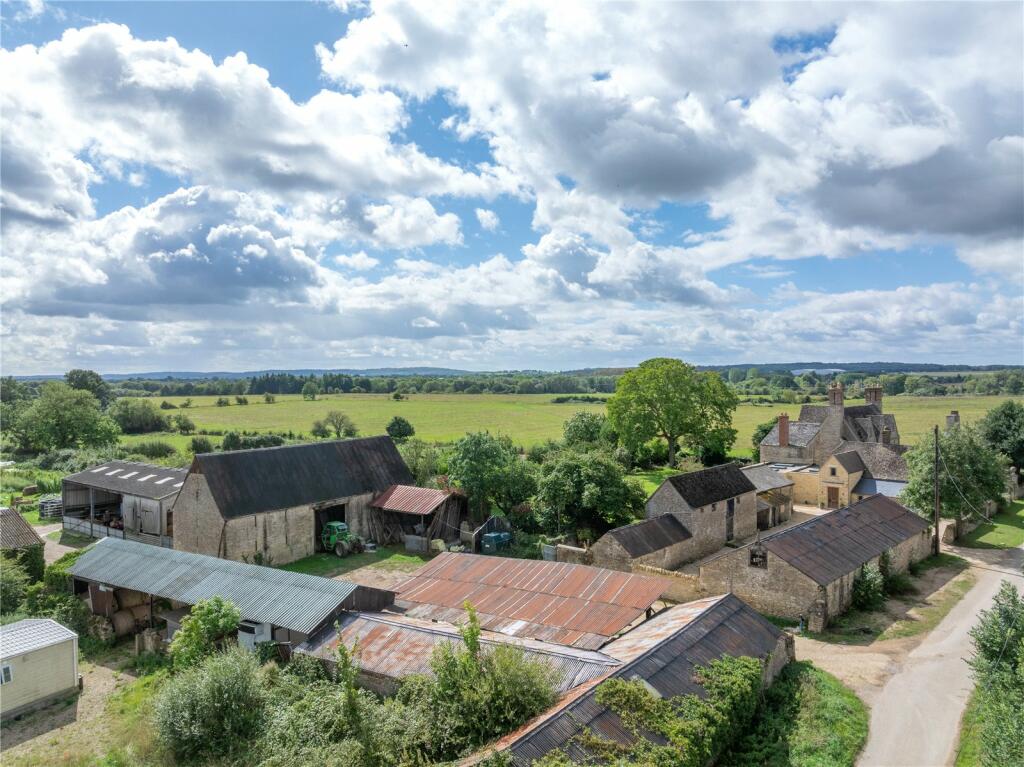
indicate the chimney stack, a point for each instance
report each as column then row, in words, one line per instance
column 783, row 429
column 835, row 393
column 953, row 419
column 873, row 395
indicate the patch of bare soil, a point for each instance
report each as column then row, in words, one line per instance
column 49, row 735
column 378, row 577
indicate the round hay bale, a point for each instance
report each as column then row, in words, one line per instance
column 140, row 613
column 124, row 623
column 100, row 628
column 128, row 598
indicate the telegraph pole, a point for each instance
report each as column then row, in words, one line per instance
column 935, row 546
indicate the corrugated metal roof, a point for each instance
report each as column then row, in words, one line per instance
column 665, row 654
column 765, row 477
column 145, row 480
column 247, row 482
column 650, row 535
column 832, row 545
column 551, row 601
column 394, row 647
column 31, row 634
column 699, row 488
column 409, row 499
column 263, row 594
column 15, row 531
column 887, row 487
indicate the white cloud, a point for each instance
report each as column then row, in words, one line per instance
column 487, row 219
column 359, row 262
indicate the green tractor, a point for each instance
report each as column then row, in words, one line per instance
column 336, row 537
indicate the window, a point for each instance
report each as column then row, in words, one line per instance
column 832, row 471
column 6, row 675
column 714, row 506
column 758, row 557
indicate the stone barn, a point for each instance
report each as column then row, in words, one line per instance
column 808, row 570
column 662, row 542
column 715, row 505
column 269, row 505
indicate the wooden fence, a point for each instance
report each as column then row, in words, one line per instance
column 89, row 529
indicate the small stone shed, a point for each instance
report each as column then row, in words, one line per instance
column 715, row 505
column 808, row 570
column 20, row 541
column 661, row 542
column 269, row 505
column 664, row 654
column 38, row 664
column 774, row 494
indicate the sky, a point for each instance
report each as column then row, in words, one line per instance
column 254, row 185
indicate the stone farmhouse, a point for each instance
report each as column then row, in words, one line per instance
column 269, row 505
column 836, row 454
column 807, row 571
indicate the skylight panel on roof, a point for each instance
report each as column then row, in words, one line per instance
column 99, row 469
column 161, row 481
column 112, row 473
column 178, row 484
column 129, row 474
column 143, row 479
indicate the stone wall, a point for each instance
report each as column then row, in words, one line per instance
column 805, row 487
column 706, row 524
column 788, row 453
column 198, row 525
column 843, row 481
column 685, row 587
column 779, row 589
column 573, row 555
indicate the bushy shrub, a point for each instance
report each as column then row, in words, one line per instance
column 223, row 402
column 203, row 630
column 869, row 588
column 201, row 445
column 32, row 559
column 65, row 608
column 153, row 449
column 183, row 424
column 14, row 582
column 213, row 710
column 165, row 405
column 57, row 577
column 235, row 441
column 399, row 429
column 136, row 415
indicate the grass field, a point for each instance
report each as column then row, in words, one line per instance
column 1005, row 531
column 527, row 418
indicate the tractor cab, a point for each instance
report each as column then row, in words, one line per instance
column 337, row 538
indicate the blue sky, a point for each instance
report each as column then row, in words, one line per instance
column 491, row 187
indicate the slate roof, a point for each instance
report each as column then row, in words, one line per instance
column 31, row 634
column 765, row 478
column 395, row 646
column 887, row 487
column 409, row 500
column 665, row 652
column 700, row 488
column 832, row 545
column 16, row 532
column 247, row 482
column 293, row 601
column 880, row 461
column 650, row 535
column 557, row 602
column 145, row 480
column 850, row 460
column 800, row 434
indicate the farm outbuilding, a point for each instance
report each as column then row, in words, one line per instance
column 664, row 654
column 270, row 504
column 774, row 494
column 556, row 602
column 807, row 571
column 18, row 539
column 38, row 664
column 124, row 499
column 290, row 606
column 662, row 542
column 404, row 511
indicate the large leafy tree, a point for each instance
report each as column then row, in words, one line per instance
column 669, row 399
column 137, row 415
column 90, row 381
column 761, row 431
column 586, row 491
column 970, row 473
column 489, row 470
column 584, row 428
column 62, row 417
column 341, row 424
column 1003, row 429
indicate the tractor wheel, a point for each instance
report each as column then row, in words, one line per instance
column 341, row 548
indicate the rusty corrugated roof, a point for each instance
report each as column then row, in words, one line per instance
column 396, row 646
column 830, row 546
column 551, row 601
column 665, row 654
column 247, row 482
column 408, row 499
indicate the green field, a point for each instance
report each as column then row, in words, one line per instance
column 527, row 418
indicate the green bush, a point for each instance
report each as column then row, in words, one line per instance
column 56, row 576
column 202, row 631
column 869, row 588
column 153, row 449
column 212, row 710
column 32, row 559
column 65, row 608
column 136, row 415
column 14, row 583
column 201, row 445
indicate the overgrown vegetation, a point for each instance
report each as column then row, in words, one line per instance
column 204, row 630
column 808, row 719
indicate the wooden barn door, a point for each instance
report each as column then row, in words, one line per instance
column 730, row 519
column 833, row 497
